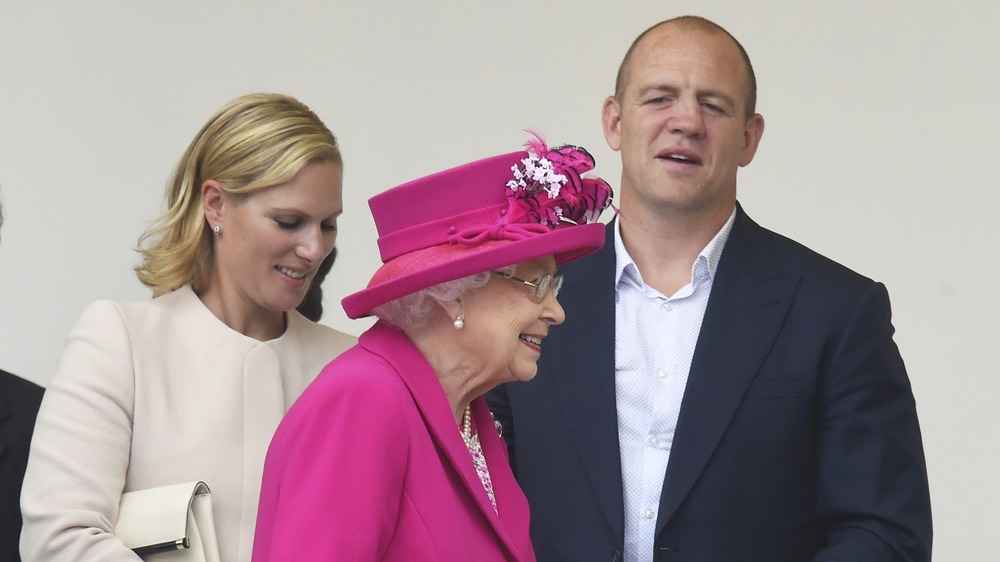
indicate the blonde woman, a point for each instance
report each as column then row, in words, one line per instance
column 191, row 384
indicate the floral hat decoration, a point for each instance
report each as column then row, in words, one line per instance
column 481, row 216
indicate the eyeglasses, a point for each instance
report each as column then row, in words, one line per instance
column 542, row 285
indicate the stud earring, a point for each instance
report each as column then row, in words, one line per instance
column 216, row 229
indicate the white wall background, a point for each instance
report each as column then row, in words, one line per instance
column 879, row 151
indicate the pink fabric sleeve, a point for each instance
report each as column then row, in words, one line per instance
column 333, row 478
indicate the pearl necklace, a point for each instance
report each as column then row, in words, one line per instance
column 467, row 428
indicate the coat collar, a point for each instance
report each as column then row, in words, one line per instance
column 418, row 376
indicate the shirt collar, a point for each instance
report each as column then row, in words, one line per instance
column 704, row 265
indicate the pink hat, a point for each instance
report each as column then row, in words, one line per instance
column 481, row 216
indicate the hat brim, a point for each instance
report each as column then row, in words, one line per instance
column 454, row 261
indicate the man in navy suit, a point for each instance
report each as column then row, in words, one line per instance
column 719, row 393
column 19, row 400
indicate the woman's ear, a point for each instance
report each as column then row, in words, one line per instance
column 454, row 311
column 450, row 308
column 213, row 203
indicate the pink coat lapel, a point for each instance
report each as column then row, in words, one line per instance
column 397, row 349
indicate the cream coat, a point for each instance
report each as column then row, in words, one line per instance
column 153, row 393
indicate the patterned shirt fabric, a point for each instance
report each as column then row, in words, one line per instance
column 655, row 337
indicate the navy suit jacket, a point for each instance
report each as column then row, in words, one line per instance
column 797, row 437
column 19, row 400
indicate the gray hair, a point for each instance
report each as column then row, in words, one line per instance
column 413, row 310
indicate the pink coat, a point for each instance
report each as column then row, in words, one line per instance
column 370, row 465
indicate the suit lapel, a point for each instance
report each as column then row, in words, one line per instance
column 396, row 348
column 749, row 300
column 578, row 361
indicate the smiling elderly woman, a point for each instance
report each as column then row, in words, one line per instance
column 391, row 454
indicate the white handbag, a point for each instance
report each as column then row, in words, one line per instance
column 169, row 523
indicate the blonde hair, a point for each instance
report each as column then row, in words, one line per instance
column 254, row 142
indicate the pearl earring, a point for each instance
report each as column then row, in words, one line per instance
column 216, row 229
column 459, row 323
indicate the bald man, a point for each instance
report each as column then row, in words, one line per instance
column 719, row 393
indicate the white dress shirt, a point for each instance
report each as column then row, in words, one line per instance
column 655, row 337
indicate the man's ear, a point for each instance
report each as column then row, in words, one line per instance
column 611, row 119
column 752, row 133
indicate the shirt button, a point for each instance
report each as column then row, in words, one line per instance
column 667, row 306
column 654, row 441
column 662, row 373
column 649, row 514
